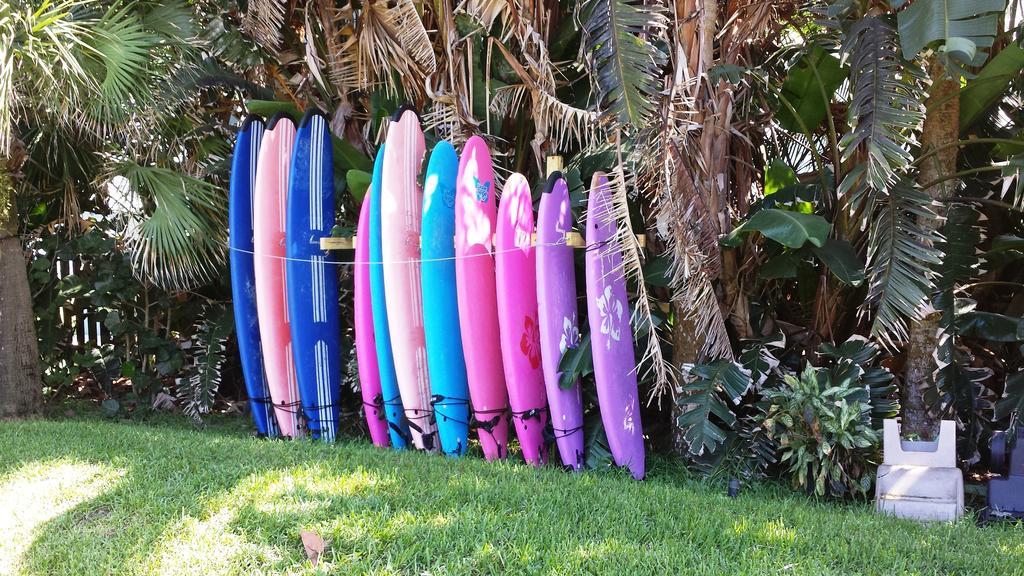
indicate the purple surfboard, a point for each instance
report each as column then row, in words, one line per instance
column 558, row 317
column 611, row 335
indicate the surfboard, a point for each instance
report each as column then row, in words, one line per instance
column 312, row 277
column 611, row 335
column 393, row 411
column 270, row 197
column 401, row 219
column 558, row 319
column 516, row 283
column 366, row 347
column 441, row 304
column 475, row 216
column 243, row 276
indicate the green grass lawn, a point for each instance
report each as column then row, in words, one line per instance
column 91, row 497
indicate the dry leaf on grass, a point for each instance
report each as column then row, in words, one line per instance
column 313, row 544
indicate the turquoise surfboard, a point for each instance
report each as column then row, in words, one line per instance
column 393, row 410
column 445, row 362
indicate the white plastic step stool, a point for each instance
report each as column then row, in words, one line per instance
column 919, row 480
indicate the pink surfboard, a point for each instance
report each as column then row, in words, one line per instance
column 401, row 221
column 270, row 196
column 516, row 275
column 366, row 346
column 611, row 334
column 559, row 319
column 478, row 307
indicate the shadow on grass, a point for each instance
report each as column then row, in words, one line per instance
column 187, row 502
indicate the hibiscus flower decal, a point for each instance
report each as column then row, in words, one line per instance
column 610, row 309
column 570, row 334
column 530, row 342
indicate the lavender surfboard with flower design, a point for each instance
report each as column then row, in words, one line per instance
column 516, row 275
column 558, row 317
column 611, row 336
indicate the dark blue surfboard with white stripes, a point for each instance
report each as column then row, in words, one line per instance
column 312, row 277
column 243, row 278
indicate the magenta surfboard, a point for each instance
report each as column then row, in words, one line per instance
column 366, row 343
column 611, row 336
column 401, row 221
column 475, row 216
column 270, row 199
column 516, row 276
column 558, row 317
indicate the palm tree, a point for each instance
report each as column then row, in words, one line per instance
column 82, row 106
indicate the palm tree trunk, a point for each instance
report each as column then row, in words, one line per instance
column 941, row 130
column 20, row 391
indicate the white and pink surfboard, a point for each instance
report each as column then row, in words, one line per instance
column 366, row 344
column 401, row 221
column 269, row 200
column 478, row 308
column 516, row 275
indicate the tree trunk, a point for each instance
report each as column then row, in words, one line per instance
column 20, row 391
column 941, row 129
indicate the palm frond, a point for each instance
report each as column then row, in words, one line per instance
column 886, row 107
column 393, row 39
column 652, row 358
column 263, row 21
column 122, row 47
column 901, row 255
column 176, row 237
column 624, row 63
column 41, row 71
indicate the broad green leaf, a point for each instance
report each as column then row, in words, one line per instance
column 990, row 85
column 358, row 183
column 268, row 108
column 348, row 157
column 842, row 260
column 777, row 177
column 962, row 26
column 991, row 326
column 791, row 229
column 809, row 89
column 576, row 362
column 1012, row 402
column 782, row 265
column 1004, row 250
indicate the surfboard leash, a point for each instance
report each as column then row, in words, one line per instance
column 377, row 405
column 439, row 400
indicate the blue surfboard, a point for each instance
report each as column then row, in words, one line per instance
column 312, row 277
column 393, row 409
column 243, row 278
column 445, row 361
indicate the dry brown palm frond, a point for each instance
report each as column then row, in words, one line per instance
column 342, row 46
column 263, row 21
column 393, row 39
column 652, row 359
column 486, row 12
